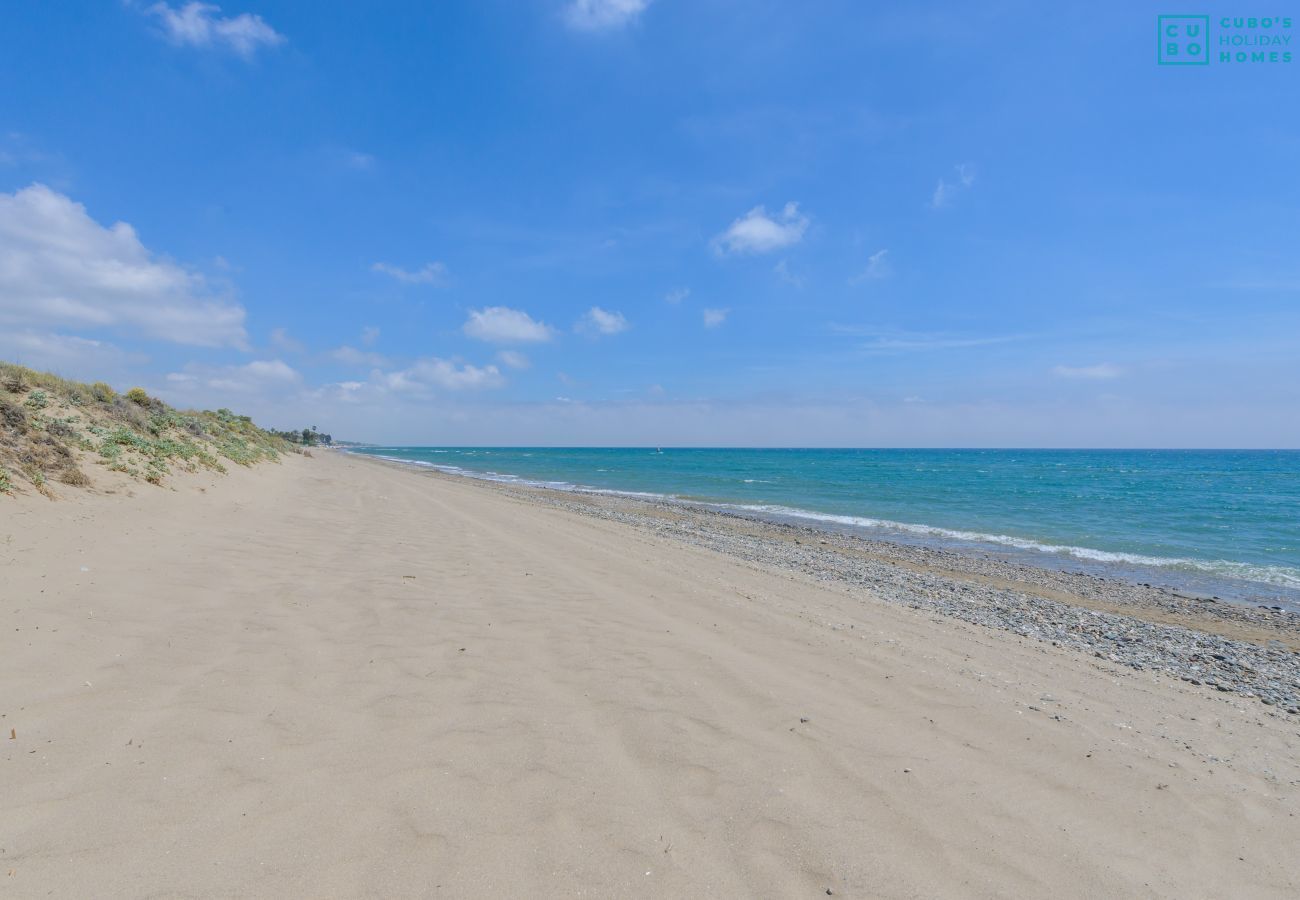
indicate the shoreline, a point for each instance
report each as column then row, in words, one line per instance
column 1189, row 578
column 335, row 677
column 1228, row 646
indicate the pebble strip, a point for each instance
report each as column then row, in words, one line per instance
column 906, row 575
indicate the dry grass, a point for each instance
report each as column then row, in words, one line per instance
column 74, row 476
column 50, row 427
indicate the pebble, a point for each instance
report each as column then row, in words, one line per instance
column 1269, row 672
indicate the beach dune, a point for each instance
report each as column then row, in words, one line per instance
column 335, row 677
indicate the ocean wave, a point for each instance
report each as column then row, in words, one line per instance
column 1278, row 576
column 1275, row 576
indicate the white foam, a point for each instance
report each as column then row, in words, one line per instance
column 1280, row 576
column 1277, row 576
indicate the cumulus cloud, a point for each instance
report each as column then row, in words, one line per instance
column 433, row 372
column 715, row 317
column 400, row 398
column 199, row 24
column 351, row 356
column 757, row 232
column 254, row 377
column 1099, row 372
column 514, row 359
column 430, row 273
column 677, row 295
column 60, row 267
column 341, row 392
column 68, row 355
column 603, row 15
column 597, row 321
column 502, row 325
column 946, row 189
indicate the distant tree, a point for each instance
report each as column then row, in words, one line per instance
column 307, row 437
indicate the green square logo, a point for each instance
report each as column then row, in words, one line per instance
column 1183, row 40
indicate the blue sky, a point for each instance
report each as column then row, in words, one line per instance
column 657, row 221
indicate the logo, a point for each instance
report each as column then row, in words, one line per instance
column 1184, row 40
column 1228, row 40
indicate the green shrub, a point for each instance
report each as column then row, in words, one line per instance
column 154, row 472
column 132, row 432
column 6, row 486
column 35, row 475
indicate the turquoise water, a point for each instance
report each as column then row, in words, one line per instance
column 1218, row 522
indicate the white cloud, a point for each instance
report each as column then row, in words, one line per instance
column 17, row 149
column 502, row 325
column 355, row 159
column 946, row 190
column 602, row 15
column 597, row 321
column 1099, row 372
column 430, row 273
column 67, row 355
column 341, row 392
column 514, row 359
column 442, row 373
column 715, row 317
column 271, row 370
column 892, row 341
column 59, row 266
column 757, row 232
column 281, row 340
column 369, row 335
column 199, row 24
column 253, row 378
column 782, row 270
column 677, row 295
column 877, row 267
column 351, row 356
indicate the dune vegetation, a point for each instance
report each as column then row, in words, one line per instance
column 56, row 431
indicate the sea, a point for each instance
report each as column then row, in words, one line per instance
column 1213, row 523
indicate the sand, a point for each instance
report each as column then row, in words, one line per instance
column 331, row 677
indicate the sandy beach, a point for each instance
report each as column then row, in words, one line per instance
column 337, row 677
